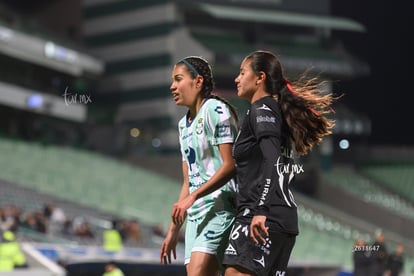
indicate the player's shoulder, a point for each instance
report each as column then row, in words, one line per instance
column 265, row 105
column 213, row 102
column 215, row 106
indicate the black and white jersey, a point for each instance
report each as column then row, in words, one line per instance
column 265, row 167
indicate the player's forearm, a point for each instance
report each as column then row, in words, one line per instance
column 223, row 175
column 174, row 229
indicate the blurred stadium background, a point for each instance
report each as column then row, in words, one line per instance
column 88, row 127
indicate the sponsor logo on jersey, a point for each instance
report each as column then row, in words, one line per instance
column 218, row 109
column 266, row 246
column 210, row 234
column 280, row 273
column 246, row 212
column 188, row 135
column 264, row 107
column 223, row 130
column 230, row 250
column 265, row 191
column 265, row 119
column 260, row 261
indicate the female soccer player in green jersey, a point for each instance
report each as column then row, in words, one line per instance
column 207, row 198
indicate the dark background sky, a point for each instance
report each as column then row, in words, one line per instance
column 386, row 95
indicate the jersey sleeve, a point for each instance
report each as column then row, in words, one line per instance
column 269, row 188
column 221, row 123
column 266, row 124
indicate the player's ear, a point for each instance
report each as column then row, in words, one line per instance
column 199, row 81
column 261, row 76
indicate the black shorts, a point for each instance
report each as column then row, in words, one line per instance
column 263, row 259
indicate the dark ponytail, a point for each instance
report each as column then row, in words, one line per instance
column 303, row 104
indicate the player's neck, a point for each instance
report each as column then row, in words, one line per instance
column 193, row 111
column 259, row 95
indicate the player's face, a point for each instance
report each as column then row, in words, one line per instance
column 183, row 87
column 246, row 81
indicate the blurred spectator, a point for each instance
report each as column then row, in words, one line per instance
column 111, row 269
column 68, row 228
column 9, row 218
column 30, row 222
column 47, row 210
column 56, row 219
column 41, row 222
column 83, row 230
column 16, row 213
column 361, row 258
column 134, row 233
column 395, row 261
column 11, row 255
column 131, row 232
column 122, row 227
column 379, row 254
column 112, row 240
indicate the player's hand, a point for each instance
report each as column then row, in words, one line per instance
column 168, row 246
column 258, row 229
column 179, row 209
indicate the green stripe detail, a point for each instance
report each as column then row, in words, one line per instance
column 118, row 7
column 131, row 34
column 144, row 63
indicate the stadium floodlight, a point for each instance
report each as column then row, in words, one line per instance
column 34, row 101
column 60, row 53
column 344, row 144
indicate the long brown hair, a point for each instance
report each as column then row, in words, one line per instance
column 304, row 104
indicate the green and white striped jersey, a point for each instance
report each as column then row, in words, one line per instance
column 199, row 140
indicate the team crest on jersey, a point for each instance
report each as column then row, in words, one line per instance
column 199, row 126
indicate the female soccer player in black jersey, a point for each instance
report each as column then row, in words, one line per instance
column 282, row 120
